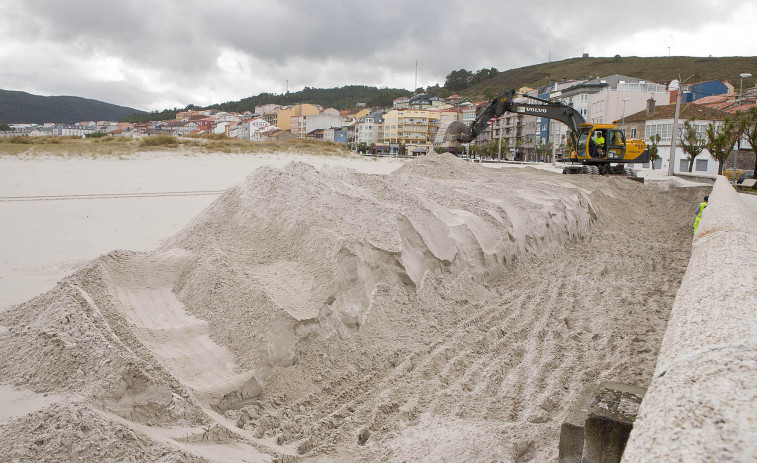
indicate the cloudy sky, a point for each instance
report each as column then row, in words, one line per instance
column 153, row 55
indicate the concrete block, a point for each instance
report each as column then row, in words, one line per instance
column 747, row 184
column 599, row 423
column 609, row 422
column 571, row 447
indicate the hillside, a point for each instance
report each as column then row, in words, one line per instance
column 653, row 69
column 338, row 97
column 22, row 107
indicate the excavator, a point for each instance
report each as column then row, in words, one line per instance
column 609, row 156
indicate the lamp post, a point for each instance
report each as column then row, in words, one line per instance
column 624, row 114
column 742, row 76
column 674, row 136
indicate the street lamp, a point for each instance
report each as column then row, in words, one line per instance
column 624, row 114
column 742, row 76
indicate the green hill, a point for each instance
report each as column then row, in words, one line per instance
column 22, row 107
column 653, row 69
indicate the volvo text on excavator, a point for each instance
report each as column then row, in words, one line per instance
column 609, row 156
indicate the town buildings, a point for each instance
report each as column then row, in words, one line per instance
column 640, row 107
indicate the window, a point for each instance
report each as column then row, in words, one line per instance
column 684, row 166
column 633, row 133
column 701, row 165
column 658, row 163
column 664, row 130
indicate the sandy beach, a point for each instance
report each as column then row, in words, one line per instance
column 323, row 309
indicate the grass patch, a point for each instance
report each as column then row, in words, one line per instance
column 17, row 140
column 125, row 146
column 168, row 141
column 210, row 136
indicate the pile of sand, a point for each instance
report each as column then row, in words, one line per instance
column 444, row 311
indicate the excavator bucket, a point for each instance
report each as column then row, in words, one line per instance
column 449, row 136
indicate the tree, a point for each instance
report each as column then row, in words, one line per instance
column 653, row 149
column 505, row 146
column 720, row 140
column 458, row 80
column 543, row 150
column 5, row 127
column 483, row 75
column 750, row 131
column 692, row 142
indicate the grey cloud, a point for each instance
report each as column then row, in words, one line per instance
column 316, row 43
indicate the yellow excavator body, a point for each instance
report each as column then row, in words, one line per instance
column 613, row 146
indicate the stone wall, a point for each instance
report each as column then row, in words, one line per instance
column 702, row 402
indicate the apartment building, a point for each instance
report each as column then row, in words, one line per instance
column 326, row 120
column 414, row 128
column 370, row 129
column 425, row 101
column 615, row 101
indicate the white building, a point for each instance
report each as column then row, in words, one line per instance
column 370, row 129
column 76, row 131
column 615, row 101
column 220, row 127
column 266, row 108
column 659, row 120
column 226, row 117
column 322, row 121
column 259, row 128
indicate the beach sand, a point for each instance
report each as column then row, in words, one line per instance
column 439, row 311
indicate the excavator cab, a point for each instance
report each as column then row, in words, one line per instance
column 612, row 148
column 616, row 144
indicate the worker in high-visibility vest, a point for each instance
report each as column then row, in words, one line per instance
column 600, row 141
column 700, row 208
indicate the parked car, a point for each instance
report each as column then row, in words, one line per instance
column 745, row 176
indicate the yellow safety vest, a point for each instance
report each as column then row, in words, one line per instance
column 600, row 141
column 701, row 208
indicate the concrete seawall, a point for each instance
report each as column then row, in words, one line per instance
column 699, row 178
column 702, row 402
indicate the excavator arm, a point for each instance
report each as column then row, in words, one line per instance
column 505, row 103
column 617, row 150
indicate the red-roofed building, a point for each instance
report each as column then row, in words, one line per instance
column 205, row 124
